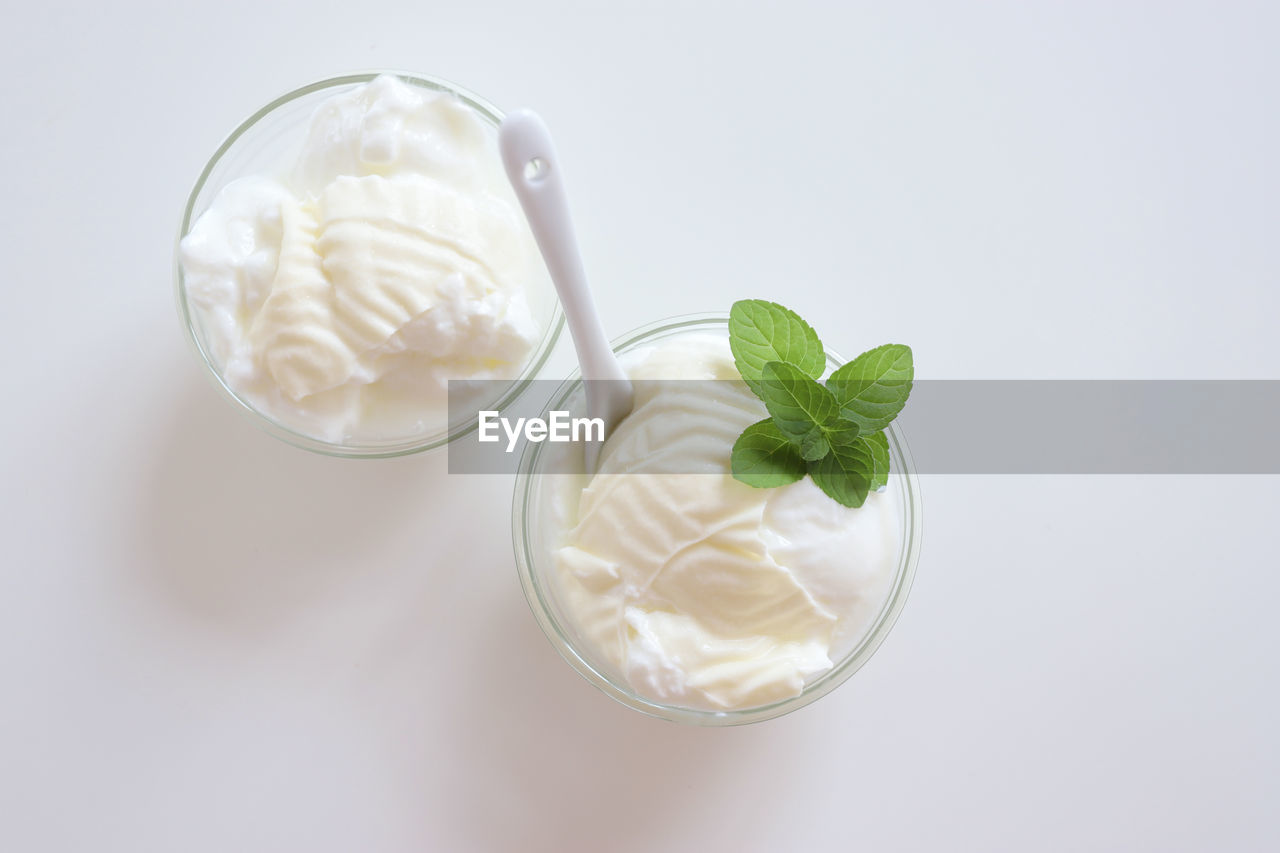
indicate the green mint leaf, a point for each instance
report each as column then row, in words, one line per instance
column 803, row 411
column 878, row 443
column 763, row 457
column 840, row 430
column 874, row 387
column 761, row 332
column 846, row 473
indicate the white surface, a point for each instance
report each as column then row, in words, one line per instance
column 210, row 641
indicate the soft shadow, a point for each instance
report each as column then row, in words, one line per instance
column 552, row 764
column 454, row 679
column 239, row 528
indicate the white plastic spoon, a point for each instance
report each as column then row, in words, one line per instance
column 534, row 172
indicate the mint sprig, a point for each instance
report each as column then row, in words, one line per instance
column 804, row 411
column 832, row 431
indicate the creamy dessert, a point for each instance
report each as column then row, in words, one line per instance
column 697, row 589
column 339, row 295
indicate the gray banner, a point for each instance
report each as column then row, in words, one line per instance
column 1005, row 426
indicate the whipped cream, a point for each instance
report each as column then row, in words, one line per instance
column 339, row 296
column 702, row 591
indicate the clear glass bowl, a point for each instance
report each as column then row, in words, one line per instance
column 260, row 145
column 531, row 532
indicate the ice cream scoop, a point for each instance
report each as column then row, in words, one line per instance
column 337, row 272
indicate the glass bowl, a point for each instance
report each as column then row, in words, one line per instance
column 262, row 144
column 532, row 533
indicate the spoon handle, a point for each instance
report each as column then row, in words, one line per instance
column 534, row 172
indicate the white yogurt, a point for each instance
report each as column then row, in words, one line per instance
column 701, row 591
column 339, row 296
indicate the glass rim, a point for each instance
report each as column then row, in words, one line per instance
column 853, row 660
column 366, row 450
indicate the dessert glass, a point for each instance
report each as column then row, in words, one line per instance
column 532, row 533
column 260, row 145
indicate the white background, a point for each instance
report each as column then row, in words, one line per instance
column 210, row 641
